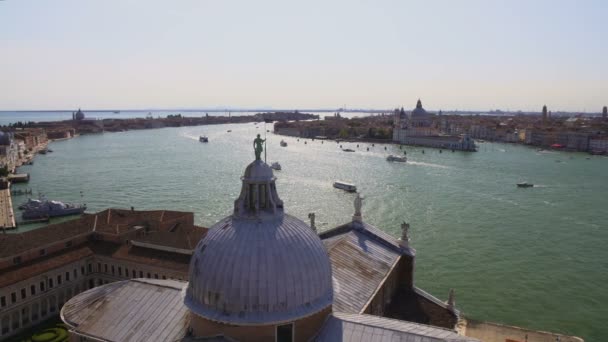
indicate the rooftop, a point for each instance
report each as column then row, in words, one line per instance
column 132, row 310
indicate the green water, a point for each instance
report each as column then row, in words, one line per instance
column 531, row 257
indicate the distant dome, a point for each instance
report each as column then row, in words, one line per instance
column 259, row 266
column 419, row 111
column 5, row 139
column 79, row 115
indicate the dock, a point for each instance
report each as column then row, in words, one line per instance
column 19, row 178
column 7, row 217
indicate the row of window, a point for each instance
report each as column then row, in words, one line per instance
column 37, row 311
column 119, row 271
column 48, row 283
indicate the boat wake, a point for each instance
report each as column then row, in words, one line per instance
column 428, row 164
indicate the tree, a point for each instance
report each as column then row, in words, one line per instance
column 343, row 133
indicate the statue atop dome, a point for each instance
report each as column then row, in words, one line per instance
column 258, row 148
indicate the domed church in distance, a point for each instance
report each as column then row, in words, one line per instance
column 261, row 274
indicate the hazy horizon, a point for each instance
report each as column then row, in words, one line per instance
column 468, row 56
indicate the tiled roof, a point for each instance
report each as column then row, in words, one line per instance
column 14, row 244
column 145, row 256
column 182, row 237
column 117, row 221
column 132, row 310
column 360, row 263
column 359, row 328
column 36, row 267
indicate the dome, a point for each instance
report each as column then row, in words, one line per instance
column 248, row 272
column 79, row 115
column 5, row 139
column 259, row 266
column 258, row 170
column 419, row 111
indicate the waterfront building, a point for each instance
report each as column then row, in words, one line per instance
column 545, row 114
column 43, row 268
column 9, row 150
column 605, row 112
column 598, row 145
column 416, row 128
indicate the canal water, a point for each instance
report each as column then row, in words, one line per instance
column 532, row 257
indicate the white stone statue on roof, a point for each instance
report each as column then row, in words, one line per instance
column 311, row 216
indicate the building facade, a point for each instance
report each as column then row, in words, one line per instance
column 416, row 128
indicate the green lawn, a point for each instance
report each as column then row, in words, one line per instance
column 52, row 330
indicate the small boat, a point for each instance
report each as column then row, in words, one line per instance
column 116, row 112
column 49, row 150
column 392, row 158
column 42, row 151
column 283, row 143
column 275, row 166
column 229, row 131
column 524, row 185
column 203, row 138
column 348, row 150
column 345, row 186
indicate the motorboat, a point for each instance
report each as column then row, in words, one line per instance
column 345, row 186
column 229, row 131
column 348, row 150
column 524, row 185
column 41, row 208
column 392, row 158
column 203, row 138
column 275, row 166
column 283, row 143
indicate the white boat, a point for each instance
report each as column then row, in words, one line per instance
column 283, row 143
column 392, row 158
column 345, row 186
column 275, row 166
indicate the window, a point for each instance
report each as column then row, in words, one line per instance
column 141, row 274
column 164, row 277
column 2, row 301
column 81, row 270
column 149, row 275
column 42, row 252
column 23, row 294
column 50, row 283
column 134, row 274
column 98, row 267
column 59, row 279
column 67, row 276
column 90, row 268
column 155, row 276
column 105, row 268
column 112, row 269
column 119, row 271
column 285, row 333
column 13, row 298
column 126, row 272
column 17, row 260
column 75, row 273
column 33, row 290
column 41, row 286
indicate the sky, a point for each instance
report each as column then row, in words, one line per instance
column 466, row 55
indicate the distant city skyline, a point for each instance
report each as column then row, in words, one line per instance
column 470, row 55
